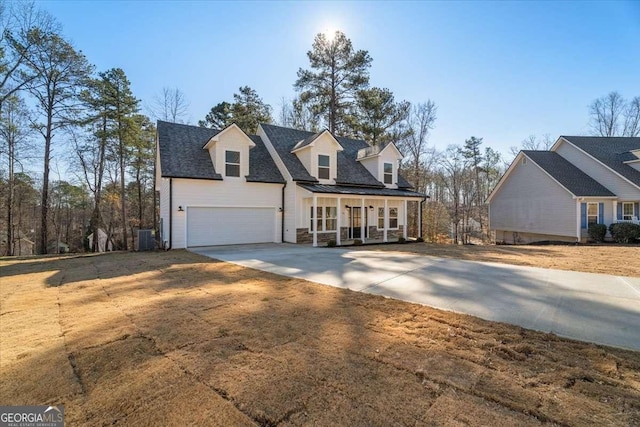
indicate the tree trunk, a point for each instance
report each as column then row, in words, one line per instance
column 10, row 236
column 44, row 202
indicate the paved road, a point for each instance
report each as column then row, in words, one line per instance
column 590, row 307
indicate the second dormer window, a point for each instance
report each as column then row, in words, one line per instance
column 323, row 167
column 388, row 173
column 232, row 163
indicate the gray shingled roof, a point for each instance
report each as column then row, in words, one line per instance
column 569, row 176
column 308, row 140
column 612, row 151
column 359, row 191
column 350, row 171
column 182, row 155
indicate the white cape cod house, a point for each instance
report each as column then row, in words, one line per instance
column 556, row 194
column 220, row 187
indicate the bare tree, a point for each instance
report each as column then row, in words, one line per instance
column 420, row 121
column 632, row 118
column 14, row 134
column 532, row 142
column 612, row 115
column 169, row 105
column 61, row 71
column 22, row 23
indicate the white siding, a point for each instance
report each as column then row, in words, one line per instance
column 164, row 209
column 605, row 176
column 530, row 201
column 289, row 191
column 290, row 212
column 227, row 193
column 233, row 139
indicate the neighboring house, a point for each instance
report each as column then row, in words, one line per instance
column 58, row 248
column 104, row 244
column 222, row 187
column 21, row 247
column 557, row 194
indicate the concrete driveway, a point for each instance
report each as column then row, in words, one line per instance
column 589, row 307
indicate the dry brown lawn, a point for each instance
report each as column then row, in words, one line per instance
column 620, row 260
column 178, row 339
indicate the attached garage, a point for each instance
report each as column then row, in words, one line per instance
column 209, row 226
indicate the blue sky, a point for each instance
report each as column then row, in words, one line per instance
column 497, row 70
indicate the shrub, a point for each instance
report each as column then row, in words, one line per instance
column 420, row 240
column 331, row 243
column 624, row 232
column 357, row 242
column 401, row 239
column 597, row 232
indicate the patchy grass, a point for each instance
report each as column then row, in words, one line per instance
column 619, row 260
column 176, row 338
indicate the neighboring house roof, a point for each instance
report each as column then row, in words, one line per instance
column 611, row 151
column 182, row 155
column 360, row 191
column 350, row 171
column 566, row 174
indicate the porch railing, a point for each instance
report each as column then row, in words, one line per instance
column 632, row 221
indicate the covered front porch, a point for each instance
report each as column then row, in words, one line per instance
column 626, row 211
column 348, row 220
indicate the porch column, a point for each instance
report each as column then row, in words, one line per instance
column 578, row 220
column 404, row 218
column 339, row 221
column 420, row 219
column 362, row 219
column 615, row 211
column 314, row 220
column 385, row 222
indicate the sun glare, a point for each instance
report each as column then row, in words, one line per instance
column 330, row 34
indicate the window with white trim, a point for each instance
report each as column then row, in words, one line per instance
column 232, row 163
column 330, row 214
column 592, row 213
column 627, row 211
column 326, row 218
column 388, row 173
column 380, row 218
column 393, row 218
column 324, row 166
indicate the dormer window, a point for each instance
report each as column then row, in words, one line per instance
column 388, row 173
column 324, row 167
column 232, row 163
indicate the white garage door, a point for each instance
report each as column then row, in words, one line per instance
column 230, row 226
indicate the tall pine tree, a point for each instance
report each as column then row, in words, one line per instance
column 337, row 73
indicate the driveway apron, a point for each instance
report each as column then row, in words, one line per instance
column 590, row 307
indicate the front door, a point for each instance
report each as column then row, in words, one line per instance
column 356, row 222
column 355, row 230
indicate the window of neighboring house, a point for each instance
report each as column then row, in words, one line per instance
column 380, row 218
column 592, row 213
column 393, row 218
column 388, row 173
column 627, row 211
column 323, row 166
column 232, row 163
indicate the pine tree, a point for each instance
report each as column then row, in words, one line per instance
column 337, row 74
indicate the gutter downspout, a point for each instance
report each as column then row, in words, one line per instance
column 170, row 213
column 282, row 219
